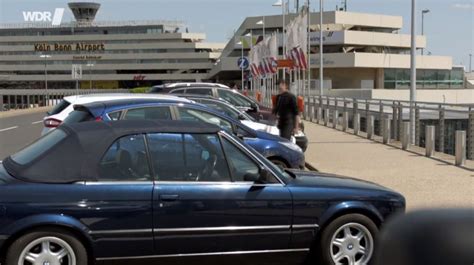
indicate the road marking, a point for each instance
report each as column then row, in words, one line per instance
column 36, row 122
column 9, row 128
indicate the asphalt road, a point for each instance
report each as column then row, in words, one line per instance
column 18, row 131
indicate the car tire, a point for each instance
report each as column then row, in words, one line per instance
column 59, row 241
column 346, row 239
column 279, row 163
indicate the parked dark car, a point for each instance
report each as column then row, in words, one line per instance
column 225, row 107
column 166, row 88
column 170, row 190
column 232, row 96
column 280, row 151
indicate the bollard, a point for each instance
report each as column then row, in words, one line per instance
column 441, row 129
column 470, row 135
column 430, row 140
column 405, row 135
column 460, row 148
column 307, row 102
column 315, row 112
column 326, row 117
column 335, row 118
column 345, row 121
column 395, row 121
column 417, row 126
column 356, row 123
column 320, row 115
column 370, row 127
column 386, row 131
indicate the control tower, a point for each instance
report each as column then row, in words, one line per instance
column 84, row 11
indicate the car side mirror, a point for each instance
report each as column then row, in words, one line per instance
column 260, row 178
column 242, row 117
column 239, row 132
column 254, row 107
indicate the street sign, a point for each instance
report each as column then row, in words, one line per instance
column 243, row 63
column 285, row 63
column 76, row 72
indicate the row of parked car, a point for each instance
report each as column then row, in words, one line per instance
column 201, row 102
column 194, row 179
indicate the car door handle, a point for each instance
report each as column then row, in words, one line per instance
column 169, row 197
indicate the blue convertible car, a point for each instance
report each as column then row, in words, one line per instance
column 163, row 191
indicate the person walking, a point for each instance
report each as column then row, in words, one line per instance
column 286, row 110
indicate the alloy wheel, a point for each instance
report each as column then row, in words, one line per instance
column 47, row 251
column 352, row 244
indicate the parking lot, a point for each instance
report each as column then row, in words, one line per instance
column 19, row 129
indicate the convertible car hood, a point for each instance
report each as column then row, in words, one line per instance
column 317, row 179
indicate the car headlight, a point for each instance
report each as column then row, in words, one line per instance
column 292, row 146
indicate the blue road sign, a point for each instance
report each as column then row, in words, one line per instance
column 243, row 63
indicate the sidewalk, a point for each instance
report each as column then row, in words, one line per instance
column 425, row 182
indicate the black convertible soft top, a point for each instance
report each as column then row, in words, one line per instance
column 77, row 156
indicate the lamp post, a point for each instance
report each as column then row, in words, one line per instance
column 423, row 12
column 90, row 65
column 241, row 43
column 413, row 72
column 470, row 62
column 46, row 57
column 321, row 46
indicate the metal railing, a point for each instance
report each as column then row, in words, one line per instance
column 11, row 99
column 440, row 127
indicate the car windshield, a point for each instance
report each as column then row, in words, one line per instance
column 248, row 117
column 235, row 98
column 222, row 107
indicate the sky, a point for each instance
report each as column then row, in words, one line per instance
column 449, row 26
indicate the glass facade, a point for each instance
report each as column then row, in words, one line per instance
column 426, row 78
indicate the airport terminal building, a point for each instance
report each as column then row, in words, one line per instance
column 121, row 54
column 365, row 55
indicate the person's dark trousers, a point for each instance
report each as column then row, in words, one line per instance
column 286, row 130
